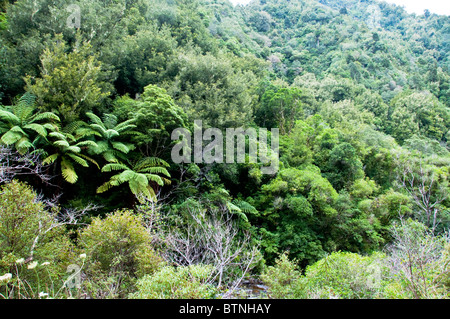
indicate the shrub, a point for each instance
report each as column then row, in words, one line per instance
column 118, row 250
column 188, row 282
column 284, row 279
column 34, row 247
column 347, row 276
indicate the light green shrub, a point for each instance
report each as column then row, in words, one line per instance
column 34, row 248
column 118, row 250
column 284, row 279
column 189, row 282
column 346, row 275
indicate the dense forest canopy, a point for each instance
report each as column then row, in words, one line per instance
column 91, row 91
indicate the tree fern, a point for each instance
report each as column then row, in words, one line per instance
column 108, row 133
column 23, row 126
column 139, row 177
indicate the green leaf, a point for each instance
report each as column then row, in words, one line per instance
column 78, row 160
column 120, row 147
column 9, row 117
column 114, row 167
column 68, row 171
column 50, row 159
column 11, row 137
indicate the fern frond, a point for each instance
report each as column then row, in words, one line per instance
column 37, row 128
column 78, row 160
column 68, row 172
column 114, row 167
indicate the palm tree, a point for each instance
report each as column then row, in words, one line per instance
column 109, row 131
column 139, row 177
column 68, row 145
column 23, row 126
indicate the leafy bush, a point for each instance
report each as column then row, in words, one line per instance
column 118, row 250
column 419, row 262
column 346, row 275
column 189, row 282
column 284, row 279
column 34, row 248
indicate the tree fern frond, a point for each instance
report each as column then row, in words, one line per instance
column 23, row 145
column 9, row 117
column 155, row 178
column 99, row 128
column 78, row 160
column 46, row 116
column 58, row 135
column 110, row 157
column 125, row 176
column 61, row 144
column 95, row 119
column 10, row 137
column 72, row 127
column 50, row 159
column 245, row 207
column 120, row 147
column 90, row 159
column 27, row 99
column 37, row 128
column 105, row 187
column 109, row 120
column 114, row 167
column 150, row 161
column 68, row 172
column 18, row 129
column 110, row 134
column 155, row 170
column 87, row 143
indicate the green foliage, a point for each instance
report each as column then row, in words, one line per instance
column 155, row 115
column 188, row 282
column 280, row 107
column 213, row 89
column 346, row 276
column 118, row 250
column 344, row 166
column 66, row 148
column 415, row 112
column 284, row 279
column 34, row 248
column 25, row 128
column 359, row 91
column 109, row 131
column 142, row 178
column 71, row 83
column 419, row 262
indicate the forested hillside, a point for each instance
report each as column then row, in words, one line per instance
column 92, row 90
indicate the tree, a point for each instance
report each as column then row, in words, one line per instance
column 14, row 164
column 185, row 282
column 25, row 128
column 284, row 279
column 209, row 234
column 71, row 83
column 139, row 177
column 344, row 166
column 109, row 130
column 210, row 87
column 280, row 107
column 427, row 185
column 118, row 250
column 419, row 259
column 66, row 149
column 155, row 115
column 31, row 235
